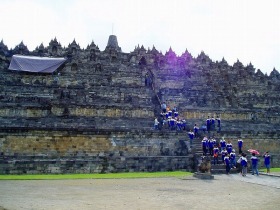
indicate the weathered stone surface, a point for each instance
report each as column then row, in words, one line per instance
column 200, row 175
column 102, row 104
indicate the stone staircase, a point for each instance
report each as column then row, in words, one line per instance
column 221, row 169
column 197, row 150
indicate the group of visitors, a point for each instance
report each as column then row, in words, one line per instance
column 193, row 134
column 169, row 118
column 227, row 155
column 211, row 123
column 254, row 163
column 223, row 147
column 221, row 151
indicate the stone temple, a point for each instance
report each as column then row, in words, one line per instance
column 95, row 113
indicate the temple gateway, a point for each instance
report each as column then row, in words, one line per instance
column 73, row 110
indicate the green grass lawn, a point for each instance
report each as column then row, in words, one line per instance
column 271, row 169
column 96, row 176
column 275, row 169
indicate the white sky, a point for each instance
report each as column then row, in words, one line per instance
column 248, row 30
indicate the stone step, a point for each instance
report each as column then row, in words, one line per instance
column 223, row 171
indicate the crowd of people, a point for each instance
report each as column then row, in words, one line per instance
column 254, row 163
column 222, row 151
column 169, row 118
column 219, row 150
column 211, row 123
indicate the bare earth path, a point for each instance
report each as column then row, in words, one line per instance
column 224, row 192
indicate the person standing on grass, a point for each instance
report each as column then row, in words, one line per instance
column 267, row 162
column 254, row 161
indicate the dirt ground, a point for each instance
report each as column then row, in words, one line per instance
column 224, row 192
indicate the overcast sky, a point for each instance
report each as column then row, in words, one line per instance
column 248, row 30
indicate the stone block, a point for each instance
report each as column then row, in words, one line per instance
column 207, row 176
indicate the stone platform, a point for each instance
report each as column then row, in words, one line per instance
column 200, row 175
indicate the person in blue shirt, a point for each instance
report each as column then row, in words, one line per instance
column 254, row 161
column 267, row 162
column 244, row 164
column 204, row 145
column 227, row 163
column 172, row 123
column 169, row 113
column 191, row 136
column 208, row 124
column 214, row 141
column 240, row 145
column 229, row 147
column 166, row 115
column 215, row 154
column 195, row 128
column 232, row 159
column 176, row 114
column 211, row 146
column 179, row 124
column 222, row 144
column 224, row 153
column 213, row 123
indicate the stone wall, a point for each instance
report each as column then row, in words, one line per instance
column 93, row 164
column 95, row 113
column 89, row 143
column 86, row 152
